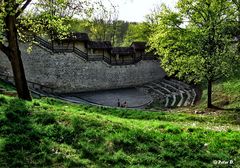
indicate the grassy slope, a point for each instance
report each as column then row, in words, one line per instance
column 225, row 94
column 52, row 133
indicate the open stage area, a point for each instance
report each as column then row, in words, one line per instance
column 133, row 96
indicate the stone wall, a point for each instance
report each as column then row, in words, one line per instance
column 68, row 73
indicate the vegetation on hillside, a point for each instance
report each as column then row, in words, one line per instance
column 225, row 94
column 197, row 41
column 51, row 133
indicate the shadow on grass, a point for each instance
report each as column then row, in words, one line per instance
column 233, row 109
column 18, row 135
column 33, row 139
column 237, row 109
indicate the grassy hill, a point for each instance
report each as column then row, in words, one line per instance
column 50, row 133
column 226, row 94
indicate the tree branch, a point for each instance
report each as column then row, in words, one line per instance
column 23, row 7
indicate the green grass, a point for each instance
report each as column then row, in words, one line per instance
column 6, row 86
column 226, row 94
column 51, row 133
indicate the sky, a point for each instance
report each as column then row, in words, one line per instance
column 135, row 10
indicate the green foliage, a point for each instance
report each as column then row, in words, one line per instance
column 114, row 31
column 6, row 86
column 46, row 18
column 3, row 100
column 137, row 32
column 120, row 33
column 43, row 24
column 226, row 95
column 200, row 49
column 232, row 86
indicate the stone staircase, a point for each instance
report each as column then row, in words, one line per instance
column 171, row 93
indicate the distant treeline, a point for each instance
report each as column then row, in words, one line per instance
column 118, row 32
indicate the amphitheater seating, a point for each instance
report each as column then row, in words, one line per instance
column 172, row 93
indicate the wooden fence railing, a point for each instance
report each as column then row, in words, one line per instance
column 87, row 57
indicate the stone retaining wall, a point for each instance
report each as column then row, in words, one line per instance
column 68, row 73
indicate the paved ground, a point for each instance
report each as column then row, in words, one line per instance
column 133, row 97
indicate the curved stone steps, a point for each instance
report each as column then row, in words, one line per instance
column 173, row 95
column 152, row 93
column 170, row 98
column 193, row 92
column 164, row 94
column 158, row 89
column 176, row 93
column 180, row 93
column 167, row 101
column 160, row 92
column 185, row 88
column 194, row 96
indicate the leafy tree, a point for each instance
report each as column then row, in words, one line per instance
column 137, row 32
column 101, row 24
column 142, row 31
column 10, row 11
column 121, row 28
column 43, row 16
column 195, row 42
column 115, row 31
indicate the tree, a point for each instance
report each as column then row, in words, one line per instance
column 101, row 24
column 137, row 32
column 10, row 11
column 142, row 31
column 43, row 15
column 195, row 43
column 115, row 30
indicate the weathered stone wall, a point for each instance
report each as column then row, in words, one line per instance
column 69, row 73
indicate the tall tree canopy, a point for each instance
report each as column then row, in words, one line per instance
column 197, row 42
column 137, row 32
column 19, row 17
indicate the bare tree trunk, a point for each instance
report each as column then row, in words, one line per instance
column 15, row 59
column 19, row 76
column 209, row 93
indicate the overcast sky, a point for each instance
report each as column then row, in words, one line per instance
column 135, row 10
